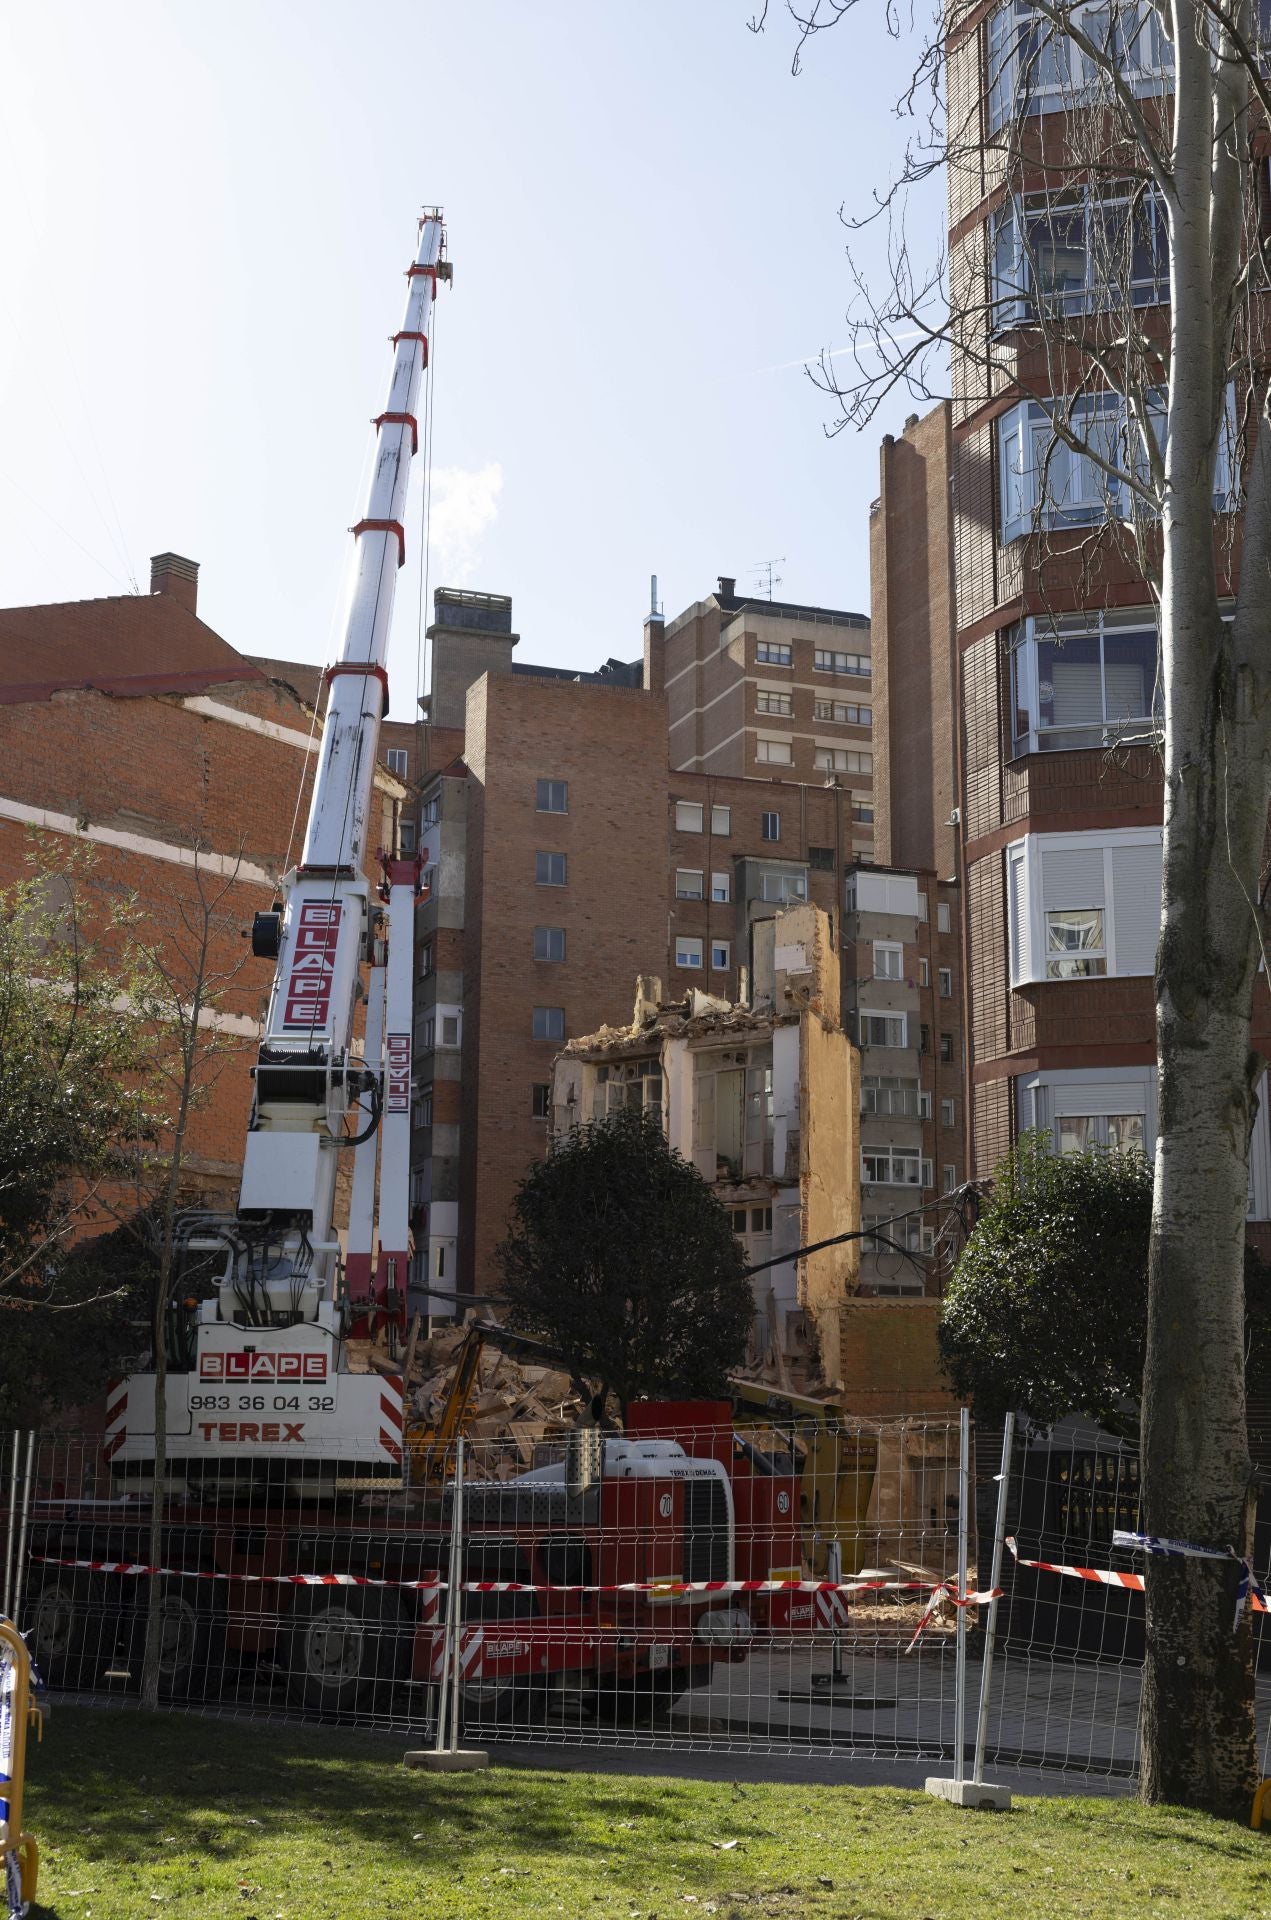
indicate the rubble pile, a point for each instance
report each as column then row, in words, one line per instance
column 511, row 1400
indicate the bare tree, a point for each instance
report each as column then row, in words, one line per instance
column 1107, row 276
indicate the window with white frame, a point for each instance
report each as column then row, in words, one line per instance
column 894, row 1167
column 426, row 951
column 1088, row 680
column 1083, row 905
column 949, row 1180
column 720, row 955
column 768, row 702
column 924, row 1104
column 770, row 826
column 406, row 836
column 1047, row 483
column 688, row 816
column 1034, row 65
column 398, row 760
column 784, row 885
column 757, row 1156
column 947, row 1115
column 552, row 796
column 721, row 888
column 688, row 950
column 942, row 916
column 633, row 1086
column 946, row 982
column 924, row 973
column 548, row 1023
column 450, row 1029
column 423, row 1107
column 863, row 812
column 827, row 660
column 922, row 905
column 882, row 1235
column 428, row 1033
column 846, row 712
column 549, row 869
column 688, row 883
column 721, row 822
column 1117, row 1132
column 889, row 960
column 773, row 653
column 549, row 943
column 430, row 812
column 733, row 1114
column 889, row 1096
column 842, row 760
column 1080, row 250
column 773, row 753
column 882, row 1029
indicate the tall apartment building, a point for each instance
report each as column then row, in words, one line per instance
column 567, row 855
column 1060, row 785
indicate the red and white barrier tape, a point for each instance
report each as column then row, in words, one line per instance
column 1105, row 1576
column 662, row 1589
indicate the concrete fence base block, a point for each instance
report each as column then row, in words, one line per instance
column 464, row 1760
column 971, row 1793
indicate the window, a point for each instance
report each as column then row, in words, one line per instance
column 428, row 1033
column 406, row 836
column 761, row 1219
column 888, row 1096
column 549, row 869
column 924, row 1038
column 924, row 1104
column 549, row 943
column 688, row 883
column 881, row 1029
column 946, row 983
column 922, row 905
column 766, row 702
column 1120, row 1132
column 783, row 887
column 720, row 951
column 773, row 753
column 889, row 957
column 398, row 760
column 821, row 859
column 773, row 653
column 430, row 812
column 863, row 811
column 842, row 760
column 1078, row 251
column 721, row 822
column 846, row 713
column 947, row 1118
column 1084, row 682
column 1046, row 483
column 688, row 952
column 770, row 826
column 688, row 816
column 450, row 1030
column 425, row 959
column 549, row 1023
column 552, row 796
column 635, row 1084
column 1075, row 947
column 721, row 887
column 946, row 1046
column 942, row 916
column 541, row 1100
column 1035, row 67
column 949, row 1179
column 895, row 1167
column 910, row 1234
column 924, row 973
column 423, row 1107
column 826, row 661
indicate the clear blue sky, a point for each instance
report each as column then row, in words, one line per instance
column 207, row 214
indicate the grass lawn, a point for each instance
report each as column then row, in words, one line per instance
column 182, row 1818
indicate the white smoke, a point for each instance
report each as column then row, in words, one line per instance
column 465, row 502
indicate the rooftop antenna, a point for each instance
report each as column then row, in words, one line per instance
column 767, row 578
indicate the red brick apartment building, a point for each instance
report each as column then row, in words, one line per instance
column 1048, row 740
column 128, row 726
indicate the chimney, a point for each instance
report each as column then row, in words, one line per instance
column 172, row 573
column 727, row 587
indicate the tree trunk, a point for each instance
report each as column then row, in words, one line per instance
column 154, row 1616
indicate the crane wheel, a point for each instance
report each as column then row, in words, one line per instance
column 69, row 1638
column 346, row 1646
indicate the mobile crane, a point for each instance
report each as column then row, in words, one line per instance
column 282, row 1462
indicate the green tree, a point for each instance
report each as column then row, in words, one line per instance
column 1047, row 1309
column 623, row 1259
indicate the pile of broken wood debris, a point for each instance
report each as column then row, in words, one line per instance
column 511, row 1401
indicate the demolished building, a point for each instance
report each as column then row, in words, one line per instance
column 762, row 1095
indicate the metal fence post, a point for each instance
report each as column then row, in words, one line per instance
column 10, row 1527
column 19, row 1573
column 990, row 1624
column 834, row 1571
column 456, row 1631
column 964, row 1501
column 449, row 1668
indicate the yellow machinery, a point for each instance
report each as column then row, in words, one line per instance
column 836, row 1460
column 430, row 1444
